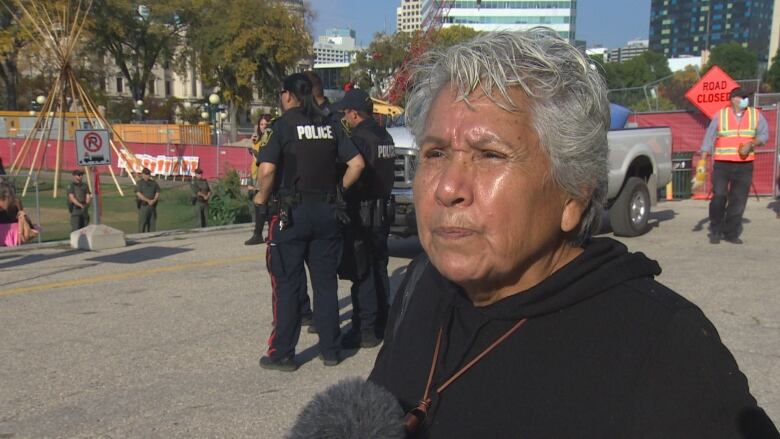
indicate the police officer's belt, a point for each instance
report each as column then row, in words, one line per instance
column 308, row 196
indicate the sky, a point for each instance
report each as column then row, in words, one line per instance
column 610, row 23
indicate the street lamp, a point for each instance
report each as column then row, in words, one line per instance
column 40, row 99
column 139, row 110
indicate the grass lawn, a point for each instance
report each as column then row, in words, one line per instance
column 174, row 210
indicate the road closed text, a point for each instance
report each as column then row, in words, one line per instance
column 713, row 91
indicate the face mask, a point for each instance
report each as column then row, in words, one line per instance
column 744, row 103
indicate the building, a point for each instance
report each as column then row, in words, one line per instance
column 774, row 39
column 632, row 49
column 337, row 46
column 492, row 15
column 408, row 16
column 688, row 27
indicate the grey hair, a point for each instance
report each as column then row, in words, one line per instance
column 565, row 92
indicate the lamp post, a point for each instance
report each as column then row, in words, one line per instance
column 139, row 110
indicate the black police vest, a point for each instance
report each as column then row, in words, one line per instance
column 310, row 156
column 376, row 144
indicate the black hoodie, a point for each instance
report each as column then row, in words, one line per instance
column 607, row 352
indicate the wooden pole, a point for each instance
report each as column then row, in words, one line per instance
column 60, row 136
column 45, row 130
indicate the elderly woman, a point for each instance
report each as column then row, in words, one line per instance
column 15, row 227
column 518, row 323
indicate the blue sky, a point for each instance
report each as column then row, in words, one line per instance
column 609, row 22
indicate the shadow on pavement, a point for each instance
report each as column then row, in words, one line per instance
column 33, row 258
column 775, row 207
column 141, row 255
column 654, row 220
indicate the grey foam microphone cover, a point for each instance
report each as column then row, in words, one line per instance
column 353, row 408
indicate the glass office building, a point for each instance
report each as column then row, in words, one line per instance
column 687, row 27
column 492, row 15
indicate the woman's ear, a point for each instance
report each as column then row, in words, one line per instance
column 573, row 209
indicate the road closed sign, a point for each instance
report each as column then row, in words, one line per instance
column 92, row 147
column 712, row 91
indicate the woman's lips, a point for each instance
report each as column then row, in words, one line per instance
column 453, row 232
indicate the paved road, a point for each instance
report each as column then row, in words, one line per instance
column 161, row 339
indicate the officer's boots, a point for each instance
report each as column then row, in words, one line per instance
column 257, row 234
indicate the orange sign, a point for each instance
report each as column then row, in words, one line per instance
column 712, row 91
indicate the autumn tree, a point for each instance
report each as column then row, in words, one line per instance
column 732, row 58
column 243, row 46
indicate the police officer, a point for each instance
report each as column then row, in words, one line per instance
column 147, row 191
column 259, row 139
column 299, row 164
column 369, row 207
column 201, row 193
column 79, row 197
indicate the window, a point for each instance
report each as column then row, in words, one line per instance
column 150, row 87
column 119, row 88
column 168, row 91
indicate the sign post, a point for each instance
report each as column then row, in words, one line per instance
column 93, row 149
column 712, row 91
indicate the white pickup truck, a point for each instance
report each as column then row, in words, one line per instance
column 640, row 162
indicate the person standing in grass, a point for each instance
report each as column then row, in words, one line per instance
column 148, row 193
column 201, row 193
column 79, row 197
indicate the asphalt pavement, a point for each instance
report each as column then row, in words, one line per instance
column 160, row 339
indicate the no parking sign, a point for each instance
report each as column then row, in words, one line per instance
column 92, row 147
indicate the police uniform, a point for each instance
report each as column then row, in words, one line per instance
column 79, row 217
column 147, row 215
column 304, row 229
column 366, row 251
column 257, row 233
column 200, row 190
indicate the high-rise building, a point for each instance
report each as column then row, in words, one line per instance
column 492, row 15
column 337, row 46
column 688, row 27
column 408, row 16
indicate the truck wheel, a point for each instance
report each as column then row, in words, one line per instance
column 631, row 210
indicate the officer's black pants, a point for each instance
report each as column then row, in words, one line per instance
column 369, row 293
column 730, row 188
column 201, row 214
column 314, row 238
column 79, row 218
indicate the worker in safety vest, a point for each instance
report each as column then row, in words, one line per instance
column 735, row 132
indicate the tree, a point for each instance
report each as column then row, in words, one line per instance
column 450, row 36
column 675, row 89
column 631, row 82
column 138, row 37
column 734, row 59
column 245, row 52
column 773, row 74
column 12, row 39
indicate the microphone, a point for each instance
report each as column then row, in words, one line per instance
column 353, row 408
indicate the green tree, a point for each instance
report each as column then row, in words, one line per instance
column 139, row 36
column 737, row 61
column 773, row 74
column 450, row 36
column 242, row 52
column 13, row 38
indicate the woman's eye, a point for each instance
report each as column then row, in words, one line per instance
column 433, row 153
column 488, row 154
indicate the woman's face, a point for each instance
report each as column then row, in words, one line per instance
column 262, row 125
column 5, row 203
column 488, row 213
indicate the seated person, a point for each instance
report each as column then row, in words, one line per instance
column 15, row 227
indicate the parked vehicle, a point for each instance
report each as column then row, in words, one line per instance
column 640, row 162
